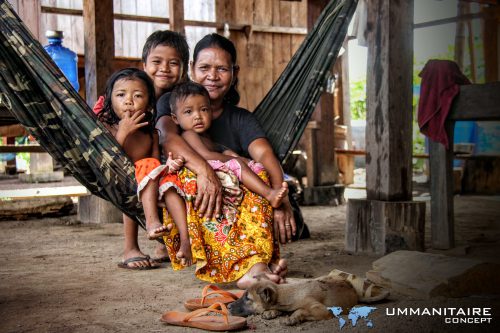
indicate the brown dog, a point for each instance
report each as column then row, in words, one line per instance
column 307, row 300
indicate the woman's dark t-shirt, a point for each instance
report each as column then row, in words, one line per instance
column 236, row 128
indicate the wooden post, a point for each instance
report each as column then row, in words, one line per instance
column 312, row 158
column 346, row 96
column 389, row 100
column 99, row 53
column 491, row 44
column 99, row 46
column 474, row 102
column 388, row 220
column 384, row 226
column 176, row 13
column 441, row 169
column 460, row 36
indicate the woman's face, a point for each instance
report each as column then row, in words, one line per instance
column 213, row 69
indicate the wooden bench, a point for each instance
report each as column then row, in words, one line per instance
column 21, row 149
column 478, row 102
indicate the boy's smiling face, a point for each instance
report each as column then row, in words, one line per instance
column 164, row 66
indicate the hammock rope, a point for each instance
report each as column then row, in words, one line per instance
column 36, row 92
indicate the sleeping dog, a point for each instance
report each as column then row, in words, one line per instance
column 307, row 300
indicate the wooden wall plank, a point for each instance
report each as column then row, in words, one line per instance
column 129, row 30
column 286, row 40
column 118, row 26
column 259, row 64
column 298, row 19
column 30, row 11
column 241, row 11
column 277, row 43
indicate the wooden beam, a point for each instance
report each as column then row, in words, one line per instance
column 477, row 102
column 163, row 20
column 389, row 100
column 99, row 46
column 448, row 20
column 22, row 149
column 176, row 8
column 487, row 2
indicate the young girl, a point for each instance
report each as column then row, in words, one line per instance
column 191, row 110
column 128, row 114
column 165, row 58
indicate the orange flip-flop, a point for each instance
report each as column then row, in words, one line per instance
column 200, row 319
column 224, row 297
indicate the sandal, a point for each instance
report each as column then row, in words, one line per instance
column 225, row 297
column 200, row 319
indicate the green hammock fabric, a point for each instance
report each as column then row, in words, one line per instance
column 42, row 99
column 286, row 109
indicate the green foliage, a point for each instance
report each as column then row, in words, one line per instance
column 358, row 99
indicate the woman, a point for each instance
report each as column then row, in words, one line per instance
column 247, row 249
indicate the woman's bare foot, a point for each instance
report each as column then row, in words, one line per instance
column 157, row 230
column 275, row 196
column 281, row 268
column 161, row 254
column 249, row 278
column 184, row 254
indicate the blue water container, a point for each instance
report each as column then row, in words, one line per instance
column 65, row 59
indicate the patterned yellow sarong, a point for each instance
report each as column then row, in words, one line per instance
column 224, row 252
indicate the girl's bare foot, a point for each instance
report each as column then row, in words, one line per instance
column 157, row 230
column 249, row 278
column 136, row 253
column 184, row 254
column 276, row 196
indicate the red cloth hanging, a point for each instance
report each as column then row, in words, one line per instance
column 441, row 80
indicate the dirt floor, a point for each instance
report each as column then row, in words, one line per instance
column 57, row 275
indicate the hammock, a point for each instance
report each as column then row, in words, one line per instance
column 43, row 100
column 288, row 106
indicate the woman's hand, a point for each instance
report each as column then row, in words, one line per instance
column 209, row 197
column 284, row 222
